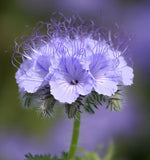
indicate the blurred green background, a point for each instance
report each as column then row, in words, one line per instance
column 23, row 131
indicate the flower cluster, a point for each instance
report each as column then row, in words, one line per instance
column 70, row 62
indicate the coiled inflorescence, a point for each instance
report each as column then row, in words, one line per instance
column 72, row 62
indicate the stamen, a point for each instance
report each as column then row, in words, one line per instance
column 74, row 82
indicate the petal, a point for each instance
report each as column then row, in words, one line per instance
column 84, row 88
column 30, row 80
column 31, row 74
column 127, row 75
column 100, row 64
column 63, row 83
column 43, row 63
column 85, row 84
column 62, row 90
column 105, row 86
column 125, row 72
column 102, row 69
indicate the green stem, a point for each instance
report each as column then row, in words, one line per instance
column 74, row 141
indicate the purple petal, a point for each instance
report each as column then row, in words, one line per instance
column 30, row 80
column 31, row 74
column 62, row 90
column 102, row 70
column 105, row 86
column 70, row 80
column 125, row 72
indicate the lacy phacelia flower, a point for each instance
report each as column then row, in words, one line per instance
column 73, row 63
column 70, row 80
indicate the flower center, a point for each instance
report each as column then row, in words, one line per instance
column 74, row 82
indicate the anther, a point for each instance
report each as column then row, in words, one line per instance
column 74, row 82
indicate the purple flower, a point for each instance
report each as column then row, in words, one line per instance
column 104, row 76
column 70, row 80
column 73, row 60
column 33, row 73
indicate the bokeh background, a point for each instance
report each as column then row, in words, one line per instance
column 23, row 131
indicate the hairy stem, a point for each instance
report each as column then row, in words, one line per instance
column 74, row 141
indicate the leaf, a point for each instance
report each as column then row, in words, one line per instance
column 92, row 100
column 110, row 152
column 114, row 102
column 29, row 156
column 46, row 157
column 27, row 97
column 38, row 157
column 91, row 156
column 74, row 109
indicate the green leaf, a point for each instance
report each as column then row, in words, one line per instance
column 74, row 109
column 91, row 156
column 85, row 155
column 46, row 157
column 27, row 99
column 110, row 152
column 29, row 156
column 92, row 100
column 114, row 102
column 38, row 157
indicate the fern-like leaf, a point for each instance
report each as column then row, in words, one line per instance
column 92, row 101
column 29, row 156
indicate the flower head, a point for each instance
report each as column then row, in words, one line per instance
column 70, row 80
column 70, row 63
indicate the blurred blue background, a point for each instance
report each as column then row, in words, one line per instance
column 23, row 131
